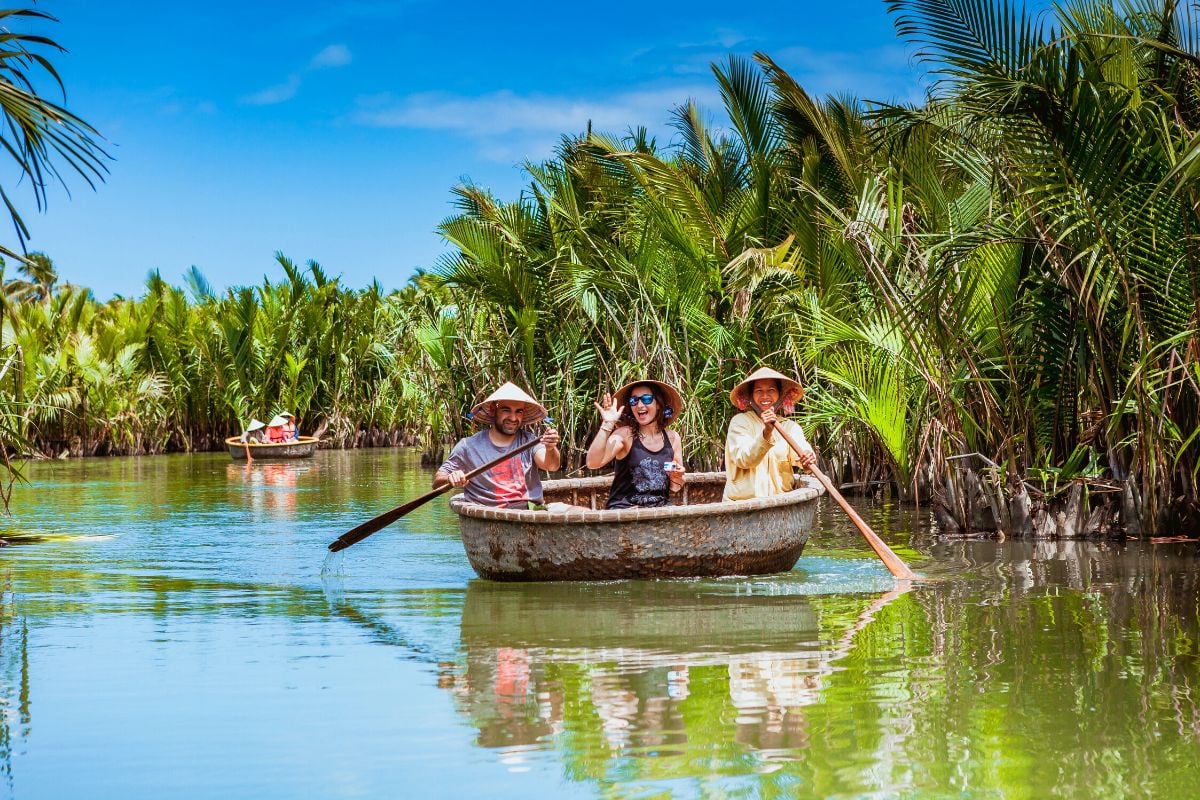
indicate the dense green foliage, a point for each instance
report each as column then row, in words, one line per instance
column 181, row 370
column 1009, row 270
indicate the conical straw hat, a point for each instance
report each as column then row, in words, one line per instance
column 484, row 412
column 255, row 425
column 790, row 394
column 674, row 400
column 277, row 421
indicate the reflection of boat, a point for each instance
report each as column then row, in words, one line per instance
column 273, row 486
column 702, row 537
column 284, row 474
column 645, row 668
column 302, row 447
column 636, row 622
column 622, row 657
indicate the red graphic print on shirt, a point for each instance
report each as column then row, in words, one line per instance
column 510, row 482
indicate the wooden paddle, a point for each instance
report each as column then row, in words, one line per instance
column 356, row 535
column 890, row 560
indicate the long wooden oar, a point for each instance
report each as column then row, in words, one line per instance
column 890, row 560
column 356, row 535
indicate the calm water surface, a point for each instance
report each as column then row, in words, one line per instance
column 171, row 627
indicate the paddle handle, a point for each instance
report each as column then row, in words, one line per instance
column 356, row 535
column 890, row 560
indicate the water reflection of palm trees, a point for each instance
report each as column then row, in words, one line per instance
column 14, row 684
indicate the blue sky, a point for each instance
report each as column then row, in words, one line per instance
column 334, row 131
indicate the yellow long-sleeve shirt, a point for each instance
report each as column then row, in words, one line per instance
column 755, row 467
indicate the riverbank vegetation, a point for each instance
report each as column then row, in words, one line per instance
column 992, row 297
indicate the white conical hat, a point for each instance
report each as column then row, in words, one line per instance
column 790, row 392
column 534, row 411
column 277, row 421
column 255, row 425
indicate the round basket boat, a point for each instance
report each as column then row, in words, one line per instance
column 703, row 536
column 303, row 447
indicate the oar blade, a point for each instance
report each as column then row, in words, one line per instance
column 356, row 535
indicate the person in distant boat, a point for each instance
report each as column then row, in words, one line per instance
column 255, row 432
column 289, row 427
column 276, row 429
column 633, row 433
column 758, row 463
column 507, row 412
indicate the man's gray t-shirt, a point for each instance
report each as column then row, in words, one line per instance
column 510, row 484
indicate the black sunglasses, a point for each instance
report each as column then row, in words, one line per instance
column 646, row 399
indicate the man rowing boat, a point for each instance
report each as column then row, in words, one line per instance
column 514, row 483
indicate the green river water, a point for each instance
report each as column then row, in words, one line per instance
column 172, row 627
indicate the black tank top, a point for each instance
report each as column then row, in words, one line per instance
column 639, row 478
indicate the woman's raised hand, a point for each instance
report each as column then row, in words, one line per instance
column 609, row 410
column 604, row 447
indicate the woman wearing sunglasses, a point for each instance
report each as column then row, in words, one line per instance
column 633, row 431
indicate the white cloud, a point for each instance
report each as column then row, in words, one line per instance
column 506, row 112
column 273, row 95
column 728, row 38
column 507, row 127
column 335, row 55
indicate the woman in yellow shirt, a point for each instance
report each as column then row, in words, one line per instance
column 758, row 463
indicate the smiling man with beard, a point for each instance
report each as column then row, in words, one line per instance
column 514, row 483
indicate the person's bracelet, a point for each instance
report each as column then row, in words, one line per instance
column 608, row 427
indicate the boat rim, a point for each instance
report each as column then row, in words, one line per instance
column 236, row 441
column 806, row 489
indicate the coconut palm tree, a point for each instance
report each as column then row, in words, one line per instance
column 41, row 138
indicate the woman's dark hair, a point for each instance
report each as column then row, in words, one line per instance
column 662, row 417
